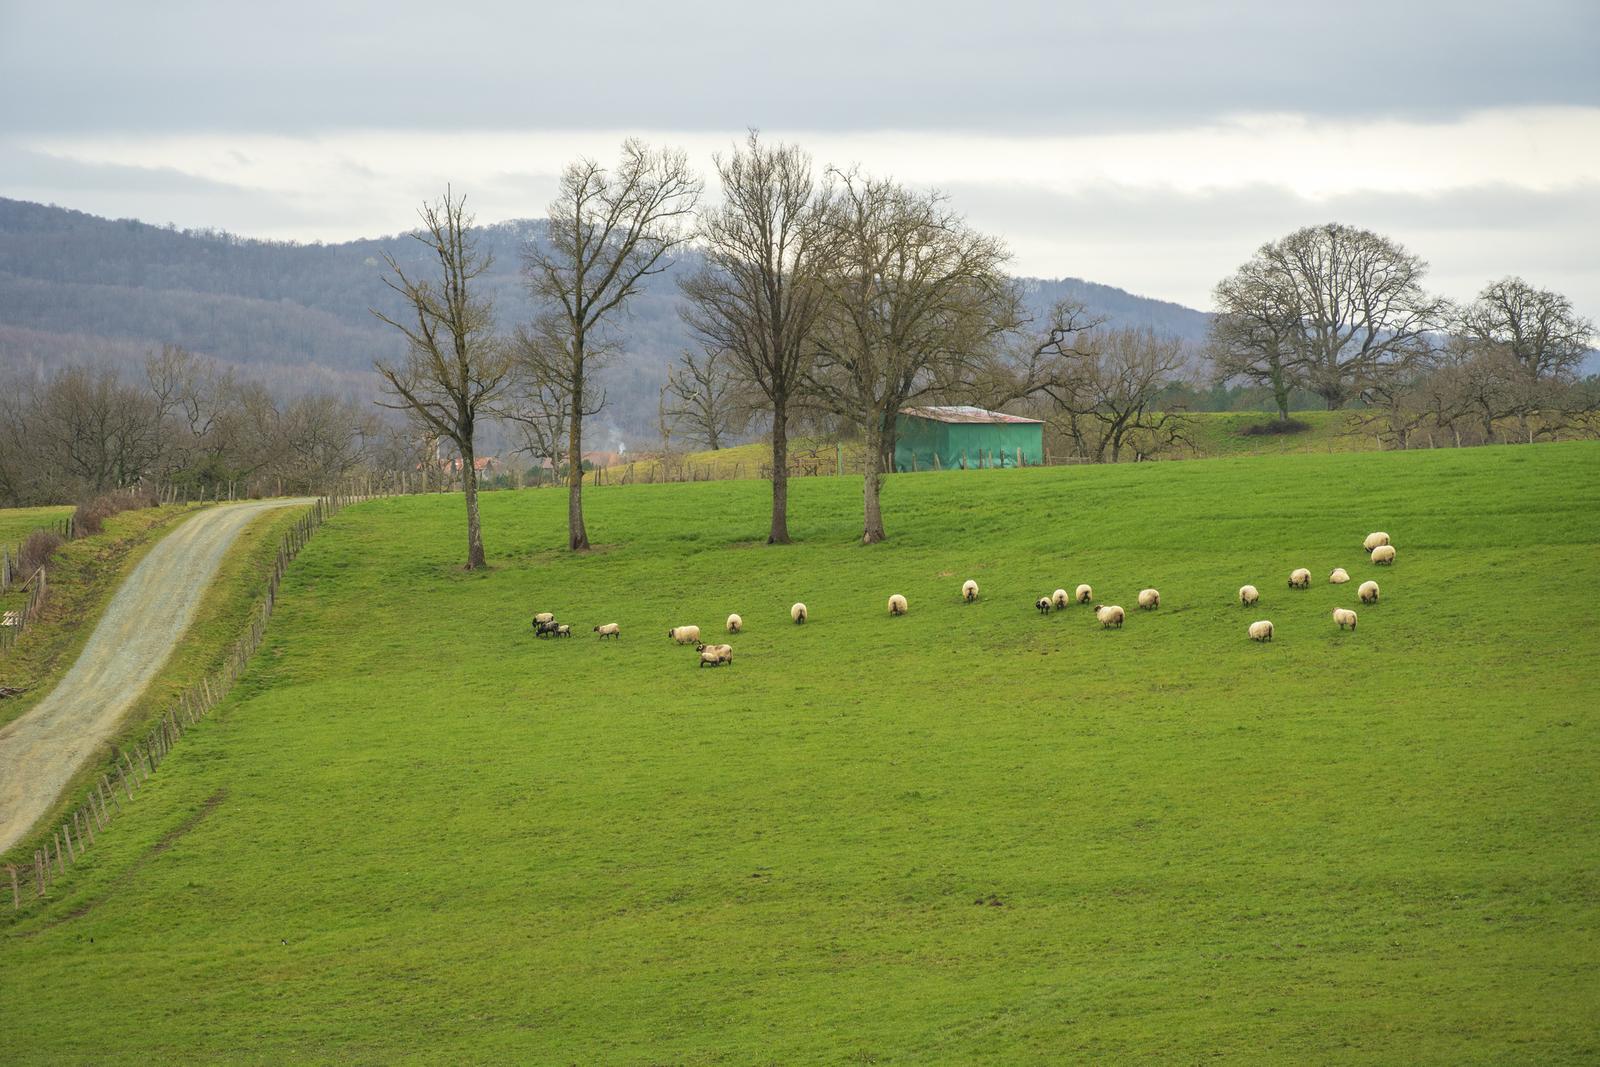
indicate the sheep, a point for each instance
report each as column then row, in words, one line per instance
column 897, row 605
column 1149, row 599
column 1383, row 555
column 969, row 590
column 714, row 655
column 1059, row 599
column 563, row 630
column 1043, row 604
column 1368, row 592
column 609, row 629
column 684, row 635
column 735, row 624
column 1109, row 615
column 1085, row 594
column 798, row 613
column 1374, row 540
column 545, row 629
column 1248, row 595
column 1300, row 579
column 1261, row 631
column 544, row 616
column 1338, row 576
column 1345, row 618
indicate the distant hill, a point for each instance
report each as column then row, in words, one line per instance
column 76, row 287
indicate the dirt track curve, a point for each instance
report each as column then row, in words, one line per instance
column 148, row 616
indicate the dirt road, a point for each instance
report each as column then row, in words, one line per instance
column 148, row 616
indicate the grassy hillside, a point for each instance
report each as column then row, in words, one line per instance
column 969, row 835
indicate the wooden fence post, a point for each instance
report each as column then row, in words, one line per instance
column 38, row 869
column 16, row 893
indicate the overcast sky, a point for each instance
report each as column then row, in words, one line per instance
column 1151, row 146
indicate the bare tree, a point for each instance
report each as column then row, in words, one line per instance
column 758, row 299
column 1538, row 328
column 702, row 394
column 454, row 368
column 608, row 232
column 1356, row 298
column 1109, row 392
column 1254, row 331
column 916, row 305
column 535, row 405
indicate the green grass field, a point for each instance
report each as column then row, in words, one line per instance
column 970, row 835
column 18, row 523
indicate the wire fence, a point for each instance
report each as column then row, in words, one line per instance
column 131, row 767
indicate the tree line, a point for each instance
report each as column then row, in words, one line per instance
column 830, row 296
column 186, row 426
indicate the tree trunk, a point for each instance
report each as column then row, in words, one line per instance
column 1280, row 394
column 469, row 487
column 779, row 534
column 872, row 526
column 577, row 536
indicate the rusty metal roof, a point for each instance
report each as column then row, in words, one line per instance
column 965, row 413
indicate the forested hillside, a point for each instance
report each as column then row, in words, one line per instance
column 76, row 288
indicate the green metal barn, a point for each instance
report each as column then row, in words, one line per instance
column 942, row 438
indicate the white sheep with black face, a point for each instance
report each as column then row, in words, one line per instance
column 1345, row 618
column 799, row 614
column 1300, row 578
column 1109, row 615
column 1374, row 540
column 1085, row 594
column 1368, row 592
column 969, row 590
column 897, row 605
column 1248, row 594
column 1339, row 576
column 608, row 629
column 1383, row 555
column 1059, row 599
column 1149, row 599
column 1261, row 631
column 685, row 635
column 735, row 624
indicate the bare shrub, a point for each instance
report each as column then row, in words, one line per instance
column 37, row 549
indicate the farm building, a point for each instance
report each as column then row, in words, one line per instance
column 939, row 438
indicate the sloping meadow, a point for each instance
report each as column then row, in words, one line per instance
column 971, row 834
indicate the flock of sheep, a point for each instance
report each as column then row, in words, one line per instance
column 1377, row 545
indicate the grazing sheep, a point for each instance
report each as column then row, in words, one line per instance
column 1059, row 599
column 1345, row 618
column 714, row 655
column 1368, row 592
column 1374, row 540
column 1261, row 631
column 897, row 605
column 544, row 616
column 609, row 629
column 545, row 629
column 1043, row 604
column 1300, row 579
column 1338, row 576
column 1248, row 595
column 1383, row 555
column 735, row 624
column 1109, row 615
column 969, row 590
column 684, row 635
column 798, row 613
column 1085, row 594
column 563, row 630
column 1149, row 599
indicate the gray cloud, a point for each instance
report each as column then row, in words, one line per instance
column 1018, row 65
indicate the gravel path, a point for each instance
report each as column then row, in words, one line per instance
column 148, row 616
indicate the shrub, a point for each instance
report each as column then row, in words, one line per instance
column 1275, row 426
column 36, row 550
column 90, row 516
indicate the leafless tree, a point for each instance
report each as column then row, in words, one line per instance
column 535, row 406
column 703, row 395
column 454, row 367
column 1108, row 392
column 1356, row 298
column 1255, row 329
column 916, row 305
column 1538, row 328
column 609, row 231
column 758, row 297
